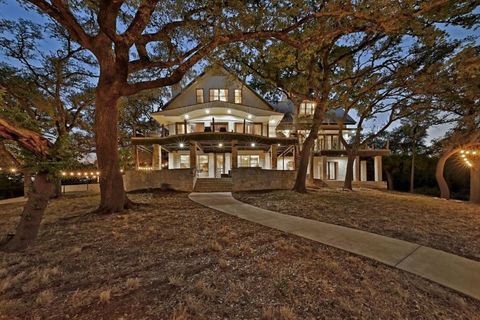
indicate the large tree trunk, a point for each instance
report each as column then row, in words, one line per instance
column 412, row 170
column 390, row 185
column 304, row 156
column 32, row 215
column 442, row 183
column 112, row 193
column 347, row 184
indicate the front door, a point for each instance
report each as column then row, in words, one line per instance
column 202, row 166
column 219, row 164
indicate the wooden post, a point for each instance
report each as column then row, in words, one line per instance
column 378, row 168
column 244, row 125
column 268, row 131
column 312, row 167
column 185, row 126
column 356, row 169
column 157, row 157
column 213, row 124
column 296, row 158
column 234, row 155
column 274, row 149
column 135, row 151
column 324, row 168
column 193, row 154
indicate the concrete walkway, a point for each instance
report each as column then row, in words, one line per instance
column 452, row 271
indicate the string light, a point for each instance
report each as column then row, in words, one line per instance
column 469, row 156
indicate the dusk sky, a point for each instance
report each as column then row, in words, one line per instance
column 12, row 10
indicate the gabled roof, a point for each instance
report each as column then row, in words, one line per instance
column 205, row 72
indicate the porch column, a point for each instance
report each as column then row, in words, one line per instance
column 324, row 167
column 193, row 155
column 274, row 150
column 135, row 155
column 363, row 170
column 378, row 168
column 234, row 155
column 356, row 169
column 311, row 165
column 475, row 182
column 157, row 157
column 296, row 157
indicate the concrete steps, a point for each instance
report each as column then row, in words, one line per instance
column 213, row 185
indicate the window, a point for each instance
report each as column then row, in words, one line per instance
column 335, row 143
column 184, row 161
column 180, row 128
column 218, row 94
column 249, row 161
column 307, row 108
column 200, row 96
column 238, row 95
column 202, row 165
column 196, row 127
column 332, row 170
column 258, row 129
column 221, row 126
column 239, row 127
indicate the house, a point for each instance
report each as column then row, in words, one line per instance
column 218, row 127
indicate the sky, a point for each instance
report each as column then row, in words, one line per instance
column 12, row 10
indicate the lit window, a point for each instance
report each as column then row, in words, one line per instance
column 184, row 161
column 252, row 161
column 238, row 96
column 218, row 94
column 332, row 170
column 200, row 96
column 307, row 108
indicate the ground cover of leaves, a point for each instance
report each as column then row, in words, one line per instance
column 452, row 226
column 174, row 259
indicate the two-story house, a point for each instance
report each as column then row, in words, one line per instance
column 218, row 123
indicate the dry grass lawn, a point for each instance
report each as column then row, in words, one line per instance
column 446, row 225
column 173, row 259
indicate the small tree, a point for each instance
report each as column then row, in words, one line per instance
column 42, row 103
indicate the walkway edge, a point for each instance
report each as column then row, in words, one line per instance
column 452, row 271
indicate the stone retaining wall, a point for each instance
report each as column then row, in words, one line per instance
column 176, row 179
column 246, row 179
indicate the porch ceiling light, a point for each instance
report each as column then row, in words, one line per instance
column 272, row 121
column 207, row 111
column 249, row 116
column 220, row 145
column 252, row 144
column 181, row 145
column 186, row 116
column 229, row 111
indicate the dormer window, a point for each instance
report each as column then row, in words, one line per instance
column 307, row 108
column 238, row 95
column 200, row 96
column 218, row 94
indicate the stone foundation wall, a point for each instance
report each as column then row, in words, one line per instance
column 245, row 179
column 176, row 179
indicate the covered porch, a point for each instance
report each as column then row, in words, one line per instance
column 216, row 154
